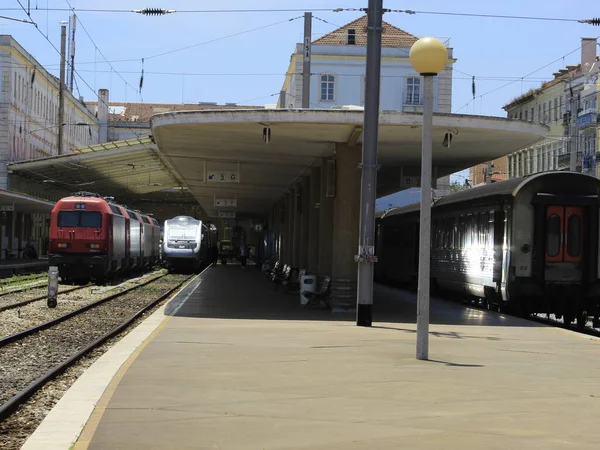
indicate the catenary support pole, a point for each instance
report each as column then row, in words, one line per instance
column 366, row 244
column 307, row 56
column 61, row 93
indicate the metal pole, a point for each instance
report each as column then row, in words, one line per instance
column 573, row 132
column 61, row 92
column 72, row 53
column 425, row 224
column 368, row 188
column 306, row 66
column 282, row 99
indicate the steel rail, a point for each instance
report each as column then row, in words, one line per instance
column 37, row 299
column 7, row 408
column 22, row 334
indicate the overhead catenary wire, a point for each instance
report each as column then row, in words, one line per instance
column 169, row 52
column 523, row 77
column 340, row 74
column 326, row 9
column 135, row 133
column 17, row 20
column 592, row 21
column 80, row 23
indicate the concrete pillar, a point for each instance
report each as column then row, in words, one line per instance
column 345, row 227
column 314, row 199
column 325, row 224
column 297, row 222
column 289, row 235
column 270, row 232
column 305, row 222
column 282, row 229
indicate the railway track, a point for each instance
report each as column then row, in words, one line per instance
column 75, row 334
column 36, row 299
column 537, row 317
column 17, row 286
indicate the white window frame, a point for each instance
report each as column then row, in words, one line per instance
column 321, row 82
column 407, row 84
column 348, row 34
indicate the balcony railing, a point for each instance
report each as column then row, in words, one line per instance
column 587, row 120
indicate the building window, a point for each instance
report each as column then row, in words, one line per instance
column 560, row 106
column 540, row 118
column 545, row 118
column 526, row 115
column 532, row 114
column 351, row 37
column 413, row 91
column 555, row 109
column 327, row 88
column 530, row 158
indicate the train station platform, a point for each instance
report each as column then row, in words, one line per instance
column 10, row 267
column 230, row 363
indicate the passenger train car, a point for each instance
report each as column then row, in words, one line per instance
column 188, row 244
column 527, row 245
column 92, row 237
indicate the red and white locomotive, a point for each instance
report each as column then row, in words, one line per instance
column 92, row 237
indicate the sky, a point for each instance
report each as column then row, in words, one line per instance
column 227, row 62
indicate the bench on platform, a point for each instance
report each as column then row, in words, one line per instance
column 292, row 284
column 279, row 277
column 322, row 296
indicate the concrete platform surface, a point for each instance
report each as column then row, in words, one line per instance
column 239, row 366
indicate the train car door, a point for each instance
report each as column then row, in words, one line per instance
column 564, row 236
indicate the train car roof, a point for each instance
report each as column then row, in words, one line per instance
column 504, row 188
column 183, row 219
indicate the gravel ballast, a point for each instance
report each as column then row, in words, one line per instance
column 24, row 361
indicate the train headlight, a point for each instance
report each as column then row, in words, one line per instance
column 62, row 245
column 94, row 246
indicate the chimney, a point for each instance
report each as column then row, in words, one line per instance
column 103, row 115
column 588, row 53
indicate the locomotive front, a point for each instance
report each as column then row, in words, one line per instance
column 182, row 243
column 79, row 243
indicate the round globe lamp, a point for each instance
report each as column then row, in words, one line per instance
column 428, row 56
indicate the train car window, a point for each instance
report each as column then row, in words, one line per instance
column 115, row 210
column 82, row 219
column 90, row 219
column 68, row 218
column 553, row 235
column 132, row 215
column 574, row 236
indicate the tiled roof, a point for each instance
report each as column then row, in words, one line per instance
column 391, row 37
column 141, row 112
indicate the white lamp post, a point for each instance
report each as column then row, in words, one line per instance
column 428, row 56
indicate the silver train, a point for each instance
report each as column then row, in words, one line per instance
column 527, row 245
column 188, row 244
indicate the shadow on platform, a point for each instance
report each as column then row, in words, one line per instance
column 231, row 292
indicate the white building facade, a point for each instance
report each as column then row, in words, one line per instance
column 29, row 125
column 573, row 91
column 338, row 66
